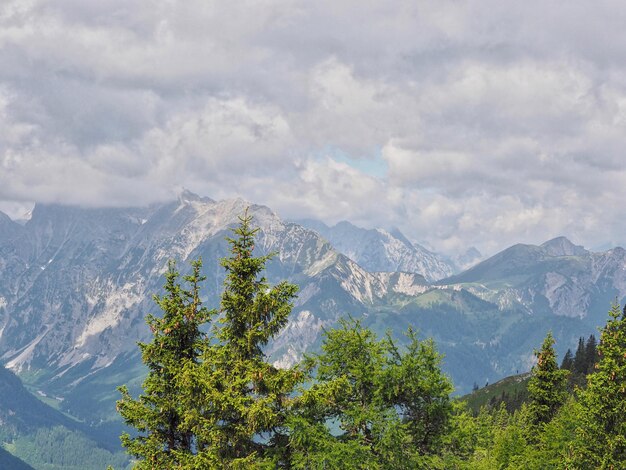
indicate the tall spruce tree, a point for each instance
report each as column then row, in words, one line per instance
column 601, row 434
column 591, row 354
column 235, row 401
column 547, row 387
column 162, row 439
column 580, row 358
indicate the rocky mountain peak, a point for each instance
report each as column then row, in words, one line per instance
column 561, row 246
column 396, row 233
column 186, row 196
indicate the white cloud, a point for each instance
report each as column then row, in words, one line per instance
column 496, row 122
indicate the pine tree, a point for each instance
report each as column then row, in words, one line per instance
column 580, row 358
column 601, row 434
column 177, row 339
column 591, row 354
column 211, row 400
column 547, row 387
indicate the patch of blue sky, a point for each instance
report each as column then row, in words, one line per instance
column 372, row 165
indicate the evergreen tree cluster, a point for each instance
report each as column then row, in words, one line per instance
column 212, row 400
column 582, row 363
column 557, row 428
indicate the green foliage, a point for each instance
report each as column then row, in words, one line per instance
column 494, row 439
column 601, row 433
column 235, row 401
column 177, row 339
column 555, row 431
column 7, row 460
column 512, row 391
column 372, row 405
column 547, row 387
column 537, row 435
column 44, row 437
column 554, row 446
column 582, row 363
column 568, row 361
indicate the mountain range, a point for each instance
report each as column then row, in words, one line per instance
column 76, row 284
column 378, row 250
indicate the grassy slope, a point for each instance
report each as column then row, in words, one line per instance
column 510, row 386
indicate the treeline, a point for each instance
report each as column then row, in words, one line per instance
column 578, row 365
column 212, row 400
column 582, row 363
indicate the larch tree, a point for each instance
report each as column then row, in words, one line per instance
column 372, row 404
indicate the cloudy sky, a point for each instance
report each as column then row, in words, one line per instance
column 464, row 123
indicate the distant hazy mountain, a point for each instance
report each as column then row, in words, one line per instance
column 378, row 250
column 76, row 284
column 466, row 259
column 8, row 228
column 21, row 412
column 557, row 277
column 9, row 461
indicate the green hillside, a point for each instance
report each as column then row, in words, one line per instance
column 35, row 435
column 510, row 390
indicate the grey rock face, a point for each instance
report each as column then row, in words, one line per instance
column 558, row 276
